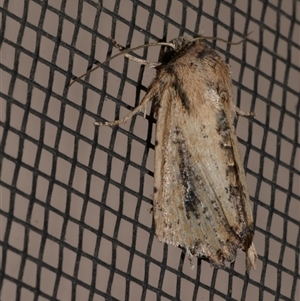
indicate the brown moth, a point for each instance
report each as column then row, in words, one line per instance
column 201, row 201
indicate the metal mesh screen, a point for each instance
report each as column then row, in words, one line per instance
column 75, row 199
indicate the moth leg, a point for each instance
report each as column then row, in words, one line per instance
column 145, row 100
column 190, row 258
column 147, row 63
column 243, row 113
column 124, row 119
column 136, row 110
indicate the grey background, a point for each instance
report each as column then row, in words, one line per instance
column 63, row 180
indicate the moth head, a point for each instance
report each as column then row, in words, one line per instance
column 177, row 43
column 169, row 49
column 165, row 55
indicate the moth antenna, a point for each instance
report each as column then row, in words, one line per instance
column 222, row 40
column 123, row 52
column 243, row 113
column 147, row 98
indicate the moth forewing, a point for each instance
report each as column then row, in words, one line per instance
column 201, row 200
column 247, row 217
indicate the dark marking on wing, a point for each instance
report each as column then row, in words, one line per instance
column 178, row 87
column 223, row 127
column 191, row 202
column 207, row 52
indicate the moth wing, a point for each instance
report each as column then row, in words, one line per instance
column 245, row 206
column 194, row 203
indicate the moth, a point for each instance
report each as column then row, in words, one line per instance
column 201, row 201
